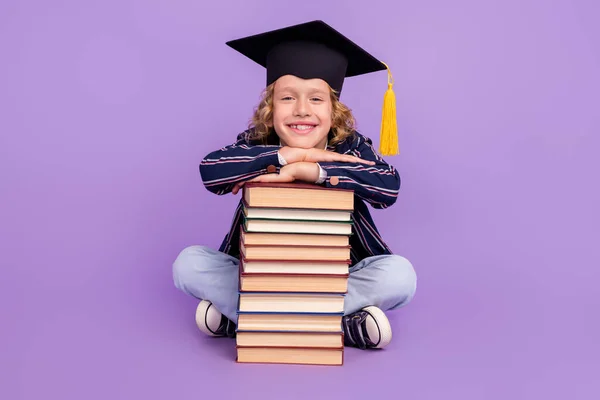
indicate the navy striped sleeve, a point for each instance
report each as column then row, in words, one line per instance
column 222, row 169
column 377, row 184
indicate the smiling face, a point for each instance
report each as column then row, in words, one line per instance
column 302, row 111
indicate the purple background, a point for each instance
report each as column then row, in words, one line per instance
column 108, row 107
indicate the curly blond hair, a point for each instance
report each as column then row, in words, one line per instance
column 343, row 123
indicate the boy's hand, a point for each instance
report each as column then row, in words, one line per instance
column 301, row 171
column 296, row 154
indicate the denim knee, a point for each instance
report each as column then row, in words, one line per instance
column 401, row 279
column 187, row 263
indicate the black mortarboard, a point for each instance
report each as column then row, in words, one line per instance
column 310, row 50
column 316, row 50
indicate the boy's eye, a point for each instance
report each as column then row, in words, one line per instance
column 316, row 99
column 287, row 98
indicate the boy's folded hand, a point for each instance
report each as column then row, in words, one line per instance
column 301, row 171
column 295, row 154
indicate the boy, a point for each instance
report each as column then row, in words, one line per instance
column 302, row 132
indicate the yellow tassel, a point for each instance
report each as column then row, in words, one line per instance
column 388, row 144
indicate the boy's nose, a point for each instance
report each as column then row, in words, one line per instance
column 302, row 109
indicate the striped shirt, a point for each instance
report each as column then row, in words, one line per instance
column 377, row 185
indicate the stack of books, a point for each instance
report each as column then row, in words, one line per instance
column 294, row 259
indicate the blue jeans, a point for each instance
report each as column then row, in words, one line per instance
column 386, row 281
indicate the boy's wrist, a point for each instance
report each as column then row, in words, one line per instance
column 311, row 171
column 303, row 171
column 291, row 155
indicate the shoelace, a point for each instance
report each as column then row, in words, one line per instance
column 230, row 329
column 226, row 327
column 355, row 332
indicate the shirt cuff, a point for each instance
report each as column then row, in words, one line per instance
column 322, row 175
column 281, row 159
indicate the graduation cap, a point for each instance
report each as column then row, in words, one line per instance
column 316, row 50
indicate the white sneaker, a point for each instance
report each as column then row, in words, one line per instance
column 368, row 328
column 212, row 322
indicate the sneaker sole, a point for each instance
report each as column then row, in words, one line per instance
column 383, row 323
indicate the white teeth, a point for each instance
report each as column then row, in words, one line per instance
column 301, row 127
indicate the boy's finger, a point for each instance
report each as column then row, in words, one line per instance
column 368, row 162
column 360, row 160
column 238, row 186
column 356, row 159
column 346, row 158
